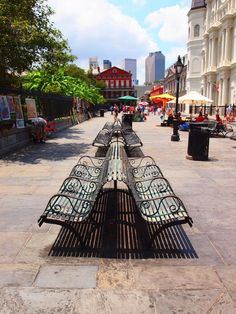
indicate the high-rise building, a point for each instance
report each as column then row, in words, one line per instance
column 107, row 64
column 154, row 67
column 93, row 63
column 130, row 65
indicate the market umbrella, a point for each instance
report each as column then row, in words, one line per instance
column 143, row 103
column 162, row 96
column 194, row 98
column 127, row 98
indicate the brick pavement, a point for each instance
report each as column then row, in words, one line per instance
column 31, row 281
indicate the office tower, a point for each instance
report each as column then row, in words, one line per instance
column 107, row 64
column 130, row 65
column 154, row 67
column 93, row 63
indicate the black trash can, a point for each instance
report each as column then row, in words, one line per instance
column 127, row 121
column 101, row 112
column 198, row 141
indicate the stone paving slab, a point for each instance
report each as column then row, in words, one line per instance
column 35, row 300
column 67, row 277
column 225, row 245
column 21, row 275
column 36, row 250
column 158, row 278
column 11, row 244
column 228, row 277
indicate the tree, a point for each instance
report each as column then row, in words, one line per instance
column 28, row 38
column 60, row 83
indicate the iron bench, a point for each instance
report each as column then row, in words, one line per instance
column 216, row 128
column 77, row 194
column 153, row 194
column 131, row 139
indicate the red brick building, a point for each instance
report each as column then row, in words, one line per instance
column 118, row 83
column 157, row 90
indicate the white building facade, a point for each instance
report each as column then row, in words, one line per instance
column 212, row 50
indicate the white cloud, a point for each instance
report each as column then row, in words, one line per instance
column 101, row 29
column 171, row 56
column 171, row 23
column 139, row 2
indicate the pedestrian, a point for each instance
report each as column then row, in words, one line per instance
column 116, row 111
column 200, row 117
column 111, row 109
column 39, row 129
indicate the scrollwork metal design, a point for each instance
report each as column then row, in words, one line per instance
column 75, row 186
column 155, row 186
column 153, row 207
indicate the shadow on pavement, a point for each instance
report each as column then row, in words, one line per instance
column 36, row 152
column 116, row 230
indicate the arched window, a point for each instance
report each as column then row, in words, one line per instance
column 196, row 30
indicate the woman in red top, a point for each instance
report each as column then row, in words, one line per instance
column 218, row 119
column 200, row 117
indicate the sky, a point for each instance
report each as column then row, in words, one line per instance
column 119, row 29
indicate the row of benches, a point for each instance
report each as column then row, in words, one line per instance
column 109, row 130
column 152, row 193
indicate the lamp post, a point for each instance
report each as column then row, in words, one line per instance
column 178, row 70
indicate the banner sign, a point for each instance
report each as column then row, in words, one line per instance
column 4, row 108
column 19, row 113
column 31, row 108
column 11, row 104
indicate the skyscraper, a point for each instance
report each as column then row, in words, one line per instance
column 130, row 65
column 93, row 63
column 154, row 67
column 107, row 64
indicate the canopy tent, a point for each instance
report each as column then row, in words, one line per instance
column 143, row 103
column 127, row 98
column 162, row 98
column 194, row 98
column 171, row 103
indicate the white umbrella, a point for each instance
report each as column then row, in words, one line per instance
column 194, row 98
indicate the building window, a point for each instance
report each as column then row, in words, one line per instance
column 122, row 83
column 196, row 30
column 127, row 83
column 112, row 83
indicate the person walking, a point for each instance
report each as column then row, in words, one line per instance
column 116, row 111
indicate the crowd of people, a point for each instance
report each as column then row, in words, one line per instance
column 167, row 115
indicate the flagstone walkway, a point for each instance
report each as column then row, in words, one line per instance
column 34, row 281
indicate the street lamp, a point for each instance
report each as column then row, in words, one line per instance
column 178, row 70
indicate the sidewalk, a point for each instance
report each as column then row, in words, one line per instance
column 32, row 281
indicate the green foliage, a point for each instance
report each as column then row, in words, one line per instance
column 62, row 84
column 29, row 38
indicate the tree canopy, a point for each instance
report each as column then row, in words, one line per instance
column 29, row 38
column 60, row 83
